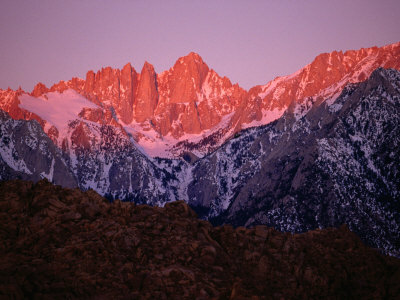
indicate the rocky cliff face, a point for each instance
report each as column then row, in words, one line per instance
column 64, row 243
column 147, row 95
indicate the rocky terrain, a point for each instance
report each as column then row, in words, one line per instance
column 65, row 243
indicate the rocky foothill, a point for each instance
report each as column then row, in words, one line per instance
column 65, row 243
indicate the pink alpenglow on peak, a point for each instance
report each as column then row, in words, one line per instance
column 147, row 95
column 190, row 102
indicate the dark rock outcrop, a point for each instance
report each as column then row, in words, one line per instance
column 64, row 243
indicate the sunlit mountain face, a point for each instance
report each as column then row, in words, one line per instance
column 188, row 108
column 314, row 149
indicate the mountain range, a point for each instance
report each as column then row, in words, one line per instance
column 314, row 149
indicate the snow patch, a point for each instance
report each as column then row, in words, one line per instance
column 268, row 116
column 56, row 108
column 49, row 176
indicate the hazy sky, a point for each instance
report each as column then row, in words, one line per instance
column 251, row 42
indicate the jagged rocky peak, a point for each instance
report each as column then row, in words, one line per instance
column 193, row 98
column 115, row 88
column 186, row 78
column 90, row 81
column 147, row 93
column 75, row 83
column 39, row 90
column 128, row 87
column 192, row 60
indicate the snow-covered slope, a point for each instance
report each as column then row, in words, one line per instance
column 58, row 109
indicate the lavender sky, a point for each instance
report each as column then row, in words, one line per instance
column 251, row 42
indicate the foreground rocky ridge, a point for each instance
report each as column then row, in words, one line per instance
column 64, row 243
